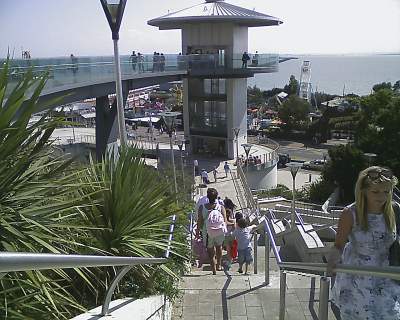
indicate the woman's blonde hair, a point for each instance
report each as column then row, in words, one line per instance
column 380, row 176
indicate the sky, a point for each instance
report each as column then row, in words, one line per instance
column 49, row 28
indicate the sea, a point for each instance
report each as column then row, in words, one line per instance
column 335, row 74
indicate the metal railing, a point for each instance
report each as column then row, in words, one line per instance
column 17, row 261
column 309, row 268
column 248, row 195
column 80, row 70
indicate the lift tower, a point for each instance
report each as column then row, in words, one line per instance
column 305, row 81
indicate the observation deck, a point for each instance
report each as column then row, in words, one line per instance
column 89, row 77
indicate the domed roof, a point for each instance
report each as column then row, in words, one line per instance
column 214, row 11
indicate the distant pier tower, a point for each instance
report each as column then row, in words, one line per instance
column 214, row 39
column 305, row 81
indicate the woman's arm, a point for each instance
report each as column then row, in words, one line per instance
column 344, row 228
column 230, row 221
column 200, row 219
column 224, row 215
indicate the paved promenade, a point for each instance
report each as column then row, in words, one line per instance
column 230, row 295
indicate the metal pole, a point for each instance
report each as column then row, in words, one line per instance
column 237, row 148
column 191, row 237
column 118, row 92
column 173, row 162
column 323, row 298
column 183, row 174
column 255, row 253
column 267, row 247
column 282, row 295
column 194, row 181
column 292, row 222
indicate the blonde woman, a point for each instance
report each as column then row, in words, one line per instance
column 366, row 230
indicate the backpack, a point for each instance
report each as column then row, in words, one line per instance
column 215, row 222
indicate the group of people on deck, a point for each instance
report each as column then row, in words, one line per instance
column 220, row 227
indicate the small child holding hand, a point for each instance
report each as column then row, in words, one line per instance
column 243, row 234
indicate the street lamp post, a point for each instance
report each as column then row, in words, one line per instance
column 180, row 146
column 169, row 120
column 114, row 10
column 236, row 132
column 247, row 147
column 294, row 168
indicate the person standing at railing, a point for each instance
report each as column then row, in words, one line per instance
column 162, row 62
column 245, row 59
column 140, row 59
column 74, row 63
column 254, row 62
column 369, row 226
column 134, row 59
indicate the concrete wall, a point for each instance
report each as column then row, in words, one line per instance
column 201, row 34
column 236, row 91
column 154, row 308
column 265, row 178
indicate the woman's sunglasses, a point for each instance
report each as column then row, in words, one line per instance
column 381, row 174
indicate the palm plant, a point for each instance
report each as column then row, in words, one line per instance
column 118, row 206
column 36, row 207
column 131, row 215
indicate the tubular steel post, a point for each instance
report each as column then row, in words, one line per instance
column 293, row 219
column 255, row 253
column 191, row 236
column 282, row 295
column 173, row 162
column 120, row 100
column 323, row 298
column 267, row 248
column 110, row 291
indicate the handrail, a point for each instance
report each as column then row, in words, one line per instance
column 21, row 261
column 385, row 272
column 238, row 192
column 249, row 197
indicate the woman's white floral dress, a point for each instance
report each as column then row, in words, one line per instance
column 364, row 297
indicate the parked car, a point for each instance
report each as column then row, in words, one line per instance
column 283, row 159
column 314, row 164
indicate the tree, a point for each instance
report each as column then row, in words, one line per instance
column 343, row 168
column 255, row 96
column 378, row 128
column 396, row 86
column 294, row 112
column 383, row 85
column 293, row 87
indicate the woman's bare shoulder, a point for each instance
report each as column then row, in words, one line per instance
column 347, row 216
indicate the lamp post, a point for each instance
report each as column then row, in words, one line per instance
column 247, row 147
column 180, row 143
column 294, row 168
column 370, row 157
column 236, row 132
column 169, row 120
column 114, row 10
